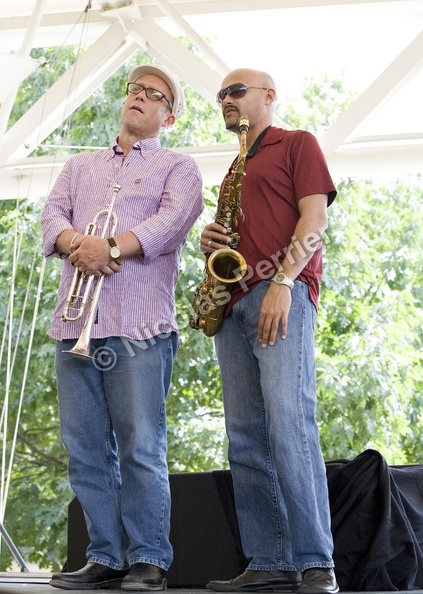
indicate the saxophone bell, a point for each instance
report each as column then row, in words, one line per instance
column 227, row 265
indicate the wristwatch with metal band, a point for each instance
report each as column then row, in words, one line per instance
column 281, row 279
column 114, row 248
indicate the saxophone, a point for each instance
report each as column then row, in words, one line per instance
column 224, row 266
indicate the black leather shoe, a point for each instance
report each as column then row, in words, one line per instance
column 91, row 577
column 318, row 581
column 143, row 576
column 250, row 581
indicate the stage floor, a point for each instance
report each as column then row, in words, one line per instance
column 37, row 583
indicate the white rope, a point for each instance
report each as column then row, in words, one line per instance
column 8, row 372
column 25, row 374
column 17, row 348
column 11, row 340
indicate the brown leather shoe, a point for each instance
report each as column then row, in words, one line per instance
column 91, row 577
column 251, row 580
column 143, row 576
column 318, row 581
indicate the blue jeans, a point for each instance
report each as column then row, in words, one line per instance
column 118, row 403
column 276, row 462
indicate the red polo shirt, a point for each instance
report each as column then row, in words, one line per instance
column 287, row 166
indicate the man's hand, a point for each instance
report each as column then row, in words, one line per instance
column 213, row 238
column 274, row 312
column 91, row 255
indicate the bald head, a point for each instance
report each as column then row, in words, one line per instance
column 256, row 101
column 250, row 77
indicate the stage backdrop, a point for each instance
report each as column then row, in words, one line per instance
column 377, row 525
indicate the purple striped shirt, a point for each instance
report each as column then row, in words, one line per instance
column 159, row 201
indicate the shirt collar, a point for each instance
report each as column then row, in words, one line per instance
column 144, row 146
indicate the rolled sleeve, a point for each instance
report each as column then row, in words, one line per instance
column 56, row 216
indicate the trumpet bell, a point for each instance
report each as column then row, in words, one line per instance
column 81, row 349
column 81, row 354
column 227, row 265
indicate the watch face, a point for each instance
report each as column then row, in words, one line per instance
column 114, row 252
column 281, row 279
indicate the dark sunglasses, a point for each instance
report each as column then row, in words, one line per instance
column 154, row 94
column 235, row 91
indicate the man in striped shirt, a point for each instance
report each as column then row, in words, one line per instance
column 116, row 400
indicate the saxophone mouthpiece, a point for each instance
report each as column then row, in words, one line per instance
column 244, row 123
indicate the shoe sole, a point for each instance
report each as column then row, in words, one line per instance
column 256, row 588
column 134, row 587
column 109, row 584
column 320, row 591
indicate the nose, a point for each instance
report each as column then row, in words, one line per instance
column 138, row 95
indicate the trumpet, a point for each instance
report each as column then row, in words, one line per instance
column 85, row 290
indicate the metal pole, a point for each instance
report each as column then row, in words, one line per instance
column 13, row 549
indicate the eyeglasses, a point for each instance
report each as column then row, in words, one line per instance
column 154, row 94
column 235, row 91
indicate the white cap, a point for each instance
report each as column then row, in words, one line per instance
column 169, row 78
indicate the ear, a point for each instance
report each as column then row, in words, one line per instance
column 270, row 96
column 170, row 119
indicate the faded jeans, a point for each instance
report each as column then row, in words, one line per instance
column 119, row 403
column 275, row 458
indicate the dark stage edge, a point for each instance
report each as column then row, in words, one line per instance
column 37, row 583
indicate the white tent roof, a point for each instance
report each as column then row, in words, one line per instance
column 376, row 45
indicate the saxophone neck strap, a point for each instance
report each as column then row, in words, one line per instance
column 254, row 148
column 256, row 145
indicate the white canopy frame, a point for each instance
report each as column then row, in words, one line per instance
column 120, row 27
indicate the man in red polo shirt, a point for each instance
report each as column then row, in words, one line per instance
column 265, row 348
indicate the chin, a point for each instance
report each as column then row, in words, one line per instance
column 231, row 121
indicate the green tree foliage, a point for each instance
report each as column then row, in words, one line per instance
column 321, row 103
column 195, row 415
column 35, row 516
column 370, row 332
column 369, row 337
